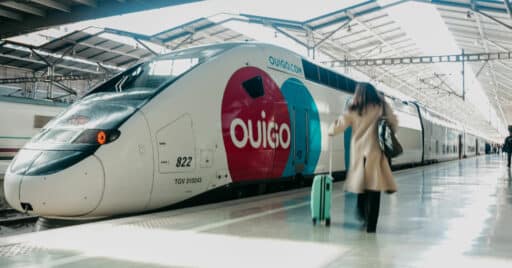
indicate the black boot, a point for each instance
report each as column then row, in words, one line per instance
column 362, row 207
column 373, row 200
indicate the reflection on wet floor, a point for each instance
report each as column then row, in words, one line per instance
column 455, row 213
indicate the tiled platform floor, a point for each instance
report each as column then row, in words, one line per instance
column 457, row 213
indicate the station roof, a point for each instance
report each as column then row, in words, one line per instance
column 361, row 31
column 484, row 26
column 18, row 17
column 31, row 58
column 97, row 45
column 90, row 53
column 198, row 32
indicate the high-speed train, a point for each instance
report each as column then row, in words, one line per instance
column 197, row 119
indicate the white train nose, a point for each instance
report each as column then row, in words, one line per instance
column 12, row 190
column 74, row 191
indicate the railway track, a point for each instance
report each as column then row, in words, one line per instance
column 9, row 217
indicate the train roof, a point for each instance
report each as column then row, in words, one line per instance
column 230, row 45
column 30, row 101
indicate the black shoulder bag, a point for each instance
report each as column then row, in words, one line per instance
column 387, row 140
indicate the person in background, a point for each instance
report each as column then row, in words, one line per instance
column 507, row 145
column 369, row 172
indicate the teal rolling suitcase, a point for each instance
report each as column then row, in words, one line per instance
column 321, row 195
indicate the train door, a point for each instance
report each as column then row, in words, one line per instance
column 460, row 146
column 177, row 160
column 176, row 156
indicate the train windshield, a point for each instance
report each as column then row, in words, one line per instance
column 151, row 75
column 109, row 105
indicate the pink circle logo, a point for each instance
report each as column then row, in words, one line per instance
column 255, row 126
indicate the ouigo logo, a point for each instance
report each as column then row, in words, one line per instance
column 255, row 126
column 268, row 135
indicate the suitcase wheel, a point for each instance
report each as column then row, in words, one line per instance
column 328, row 222
column 314, row 221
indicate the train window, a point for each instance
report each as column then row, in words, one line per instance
column 327, row 77
column 310, row 71
column 346, row 84
column 254, row 87
column 323, row 76
column 333, row 79
column 151, row 75
column 41, row 120
column 341, row 82
column 351, row 85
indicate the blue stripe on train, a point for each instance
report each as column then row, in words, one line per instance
column 303, row 115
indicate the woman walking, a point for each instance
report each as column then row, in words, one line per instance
column 369, row 172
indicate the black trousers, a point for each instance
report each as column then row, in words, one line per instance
column 368, row 205
column 508, row 159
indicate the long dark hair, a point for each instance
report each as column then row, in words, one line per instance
column 365, row 95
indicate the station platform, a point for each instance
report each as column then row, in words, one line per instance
column 453, row 213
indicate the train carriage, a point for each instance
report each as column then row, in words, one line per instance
column 470, row 144
column 441, row 137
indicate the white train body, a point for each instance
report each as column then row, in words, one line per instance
column 193, row 121
column 441, row 137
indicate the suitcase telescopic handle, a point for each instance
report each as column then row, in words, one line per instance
column 330, row 155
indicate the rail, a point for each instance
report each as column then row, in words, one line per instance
column 9, row 216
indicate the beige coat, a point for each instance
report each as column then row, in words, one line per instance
column 369, row 168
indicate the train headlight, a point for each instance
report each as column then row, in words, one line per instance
column 97, row 136
column 101, row 137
